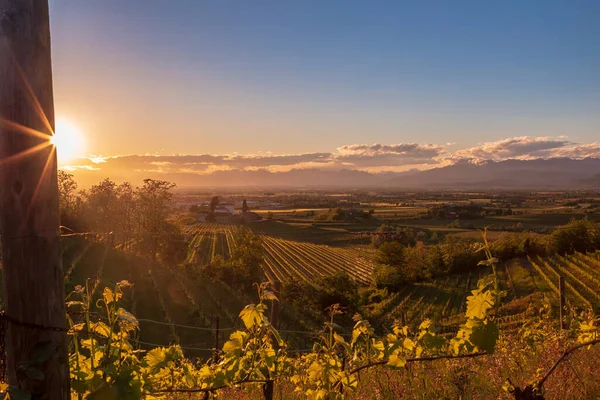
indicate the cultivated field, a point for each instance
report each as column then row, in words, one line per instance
column 284, row 259
column 173, row 307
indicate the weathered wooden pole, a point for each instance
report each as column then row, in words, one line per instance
column 268, row 388
column 216, row 358
column 562, row 302
column 36, row 340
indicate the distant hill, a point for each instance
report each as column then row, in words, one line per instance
column 557, row 173
column 510, row 174
column 591, row 183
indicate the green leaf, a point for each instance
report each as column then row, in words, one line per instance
column 408, row 344
column 479, row 303
column 378, row 345
column 269, row 356
column 100, row 328
column 104, row 392
column 235, row 342
column 425, row 324
column 160, row 357
column 484, row 336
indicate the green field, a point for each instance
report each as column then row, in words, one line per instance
column 443, row 300
column 185, row 309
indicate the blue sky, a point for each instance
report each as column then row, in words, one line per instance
column 289, row 77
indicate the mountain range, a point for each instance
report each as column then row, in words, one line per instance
column 555, row 173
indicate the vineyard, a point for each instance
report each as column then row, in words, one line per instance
column 284, row 259
column 174, row 308
column 442, row 299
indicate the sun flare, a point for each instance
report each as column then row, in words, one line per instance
column 68, row 139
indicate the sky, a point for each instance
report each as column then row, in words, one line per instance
column 369, row 85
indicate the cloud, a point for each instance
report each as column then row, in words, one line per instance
column 591, row 150
column 524, row 147
column 363, row 155
column 202, row 162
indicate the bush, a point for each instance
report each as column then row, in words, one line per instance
column 312, row 299
column 388, row 276
column 578, row 235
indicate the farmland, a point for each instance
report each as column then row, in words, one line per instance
column 187, row 308
column 525, row 280
column 190, row 283
column 283, row 259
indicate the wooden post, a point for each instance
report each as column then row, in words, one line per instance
column 217, row 342
column 343, row 368
column 268, row 388
column 561, row 290
column 29, row 220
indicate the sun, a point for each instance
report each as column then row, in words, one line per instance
column 68, row 139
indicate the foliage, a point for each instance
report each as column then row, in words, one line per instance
column 388, row 276
column 243, row 268
column 311, row 299
column 105, row 363
column 398, row 264
column 70, row 204
column 578, row 235
column 343, row 214
column 514, row 245
column 131, row 215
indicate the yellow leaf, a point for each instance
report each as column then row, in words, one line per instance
column 396, row 361
column 251, row 316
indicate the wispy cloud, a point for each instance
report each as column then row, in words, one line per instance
column 365, row 157
column 523, row 147
column 379, row 155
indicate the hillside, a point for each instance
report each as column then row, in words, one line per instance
column 176, row 307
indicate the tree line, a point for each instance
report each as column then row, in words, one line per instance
column 405, row 257
column 137, row 218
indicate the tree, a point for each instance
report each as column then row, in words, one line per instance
column 578, row 235
column 390, row 253
column 154, row 202
column 67, row 188
column 245, row 207
column 248, row 256
column 70, row 205
column 214, row 202
column 126, row 208
column 387, row 276
column 101, row 206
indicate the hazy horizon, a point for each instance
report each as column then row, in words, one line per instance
column 197, row 87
